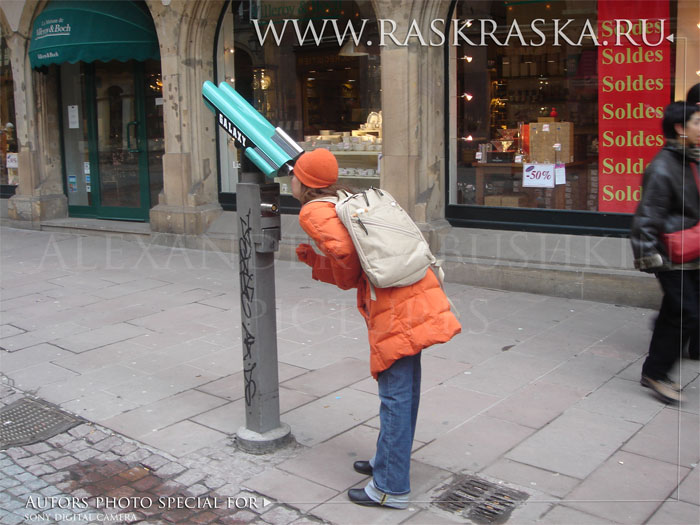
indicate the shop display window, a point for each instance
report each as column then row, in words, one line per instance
column 9, row 173
column 323, row 93
column 583, row 113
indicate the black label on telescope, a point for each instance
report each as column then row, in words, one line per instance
column 241, row 140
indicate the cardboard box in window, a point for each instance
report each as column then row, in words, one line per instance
column 543, row 137
column 514, row 200
column 510, row 200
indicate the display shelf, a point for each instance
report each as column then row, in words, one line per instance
column 355, row 153
column 357, row 177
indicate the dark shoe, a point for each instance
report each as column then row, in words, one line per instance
column 360, row 497
column 666, row 389
column 363, row 467
column 670, row 382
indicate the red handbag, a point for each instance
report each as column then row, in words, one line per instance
column 684, row 245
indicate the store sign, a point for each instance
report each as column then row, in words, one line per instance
column 52, row 28
column 538, row 175
column 634, row 86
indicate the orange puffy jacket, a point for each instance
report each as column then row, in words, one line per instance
column 401, row 321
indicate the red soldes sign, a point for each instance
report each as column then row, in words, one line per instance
column 634, row 87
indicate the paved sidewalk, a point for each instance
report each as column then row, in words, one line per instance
column 538, row 394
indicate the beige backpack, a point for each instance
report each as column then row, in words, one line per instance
column 390, row 246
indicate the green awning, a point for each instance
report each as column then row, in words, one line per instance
column 104, row 30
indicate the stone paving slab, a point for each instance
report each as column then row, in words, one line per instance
column 561, row 514
column 322, row 354
column 504, row 374
column 577, row 443
column 444, row 408
column 299, row 492
column 163, row 413
column 83, row 385
column 531, row 477
column 31, row 356
column 689, row 489
column 331, row 415
column 674, row 512
column 672, row 436
column 620, row 398
column 34, row 377
column 227, row 418
column 330, row 463
column 627, row 488
column 330, row 378
column 474, row 445
column 102, row 336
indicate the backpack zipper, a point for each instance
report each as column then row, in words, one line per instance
column 386, row 227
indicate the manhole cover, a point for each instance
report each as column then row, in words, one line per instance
column 29, row 421
column 479, row 500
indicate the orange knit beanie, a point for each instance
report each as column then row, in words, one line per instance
column 317, row 168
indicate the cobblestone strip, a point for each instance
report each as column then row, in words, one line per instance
column 92, row 475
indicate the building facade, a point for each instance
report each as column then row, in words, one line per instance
column 515, row 133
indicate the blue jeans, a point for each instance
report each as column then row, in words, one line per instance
column 399, row 392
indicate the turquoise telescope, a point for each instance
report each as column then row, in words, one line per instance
column 269, row 148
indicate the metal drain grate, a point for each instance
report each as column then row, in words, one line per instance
column 29, row 421
column 479, row 500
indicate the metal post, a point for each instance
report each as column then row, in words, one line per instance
column 259, row 234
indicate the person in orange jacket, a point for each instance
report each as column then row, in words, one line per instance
column 401, row 322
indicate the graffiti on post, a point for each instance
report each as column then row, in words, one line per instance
column 247, row 284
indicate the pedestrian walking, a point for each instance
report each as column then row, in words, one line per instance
column 401, row 322
column 671, row 203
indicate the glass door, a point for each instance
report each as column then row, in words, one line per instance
column 112, row 129
column 122, row 156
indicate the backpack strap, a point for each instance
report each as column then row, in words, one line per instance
column 330, row 198
column 436, row 267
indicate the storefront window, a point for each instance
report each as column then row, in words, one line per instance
column 8, row 136
column 322, row 92
column 552, row 110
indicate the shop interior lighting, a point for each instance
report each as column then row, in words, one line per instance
column 467, row 58
column 468, row 96
column 350, row 50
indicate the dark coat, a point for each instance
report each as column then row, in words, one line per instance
column 670, row 202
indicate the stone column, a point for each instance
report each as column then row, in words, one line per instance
column 186, row 31
column 40, row 193
column 413, row 113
